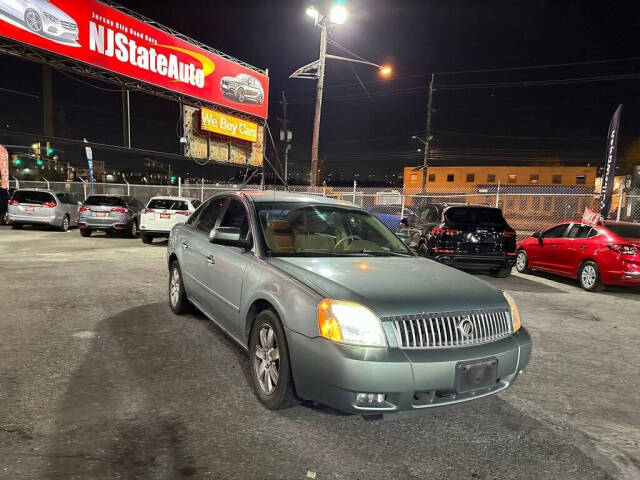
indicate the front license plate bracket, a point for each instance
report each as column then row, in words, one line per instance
column 477, row 374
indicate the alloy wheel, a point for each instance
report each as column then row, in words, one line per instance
column 134, row 229
column 174, row 286
column 589, row 277
column 65, row 224
column 267, row 360
column 521, row 261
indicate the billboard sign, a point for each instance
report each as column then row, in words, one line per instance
column 216, row 122
column 4, row 168
column 102, row 36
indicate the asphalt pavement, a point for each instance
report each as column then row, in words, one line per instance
column 99, row 380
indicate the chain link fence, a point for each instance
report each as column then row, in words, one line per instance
column 526, row 208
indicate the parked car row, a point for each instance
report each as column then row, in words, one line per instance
column 99, row 213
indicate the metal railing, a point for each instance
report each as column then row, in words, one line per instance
column 527, row 211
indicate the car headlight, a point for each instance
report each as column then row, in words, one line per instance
column 50, row 17
column 350, row 323
column 515, row 314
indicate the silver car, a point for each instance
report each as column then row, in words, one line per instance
column 111, row 214
column 42, row 207
column 42, row 17
column 244, row 88
column 334, row 308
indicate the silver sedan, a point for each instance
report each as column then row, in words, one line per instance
column 334, row 308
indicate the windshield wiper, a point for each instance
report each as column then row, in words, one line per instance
column 376, row 253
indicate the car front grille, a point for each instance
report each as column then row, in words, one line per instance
column 69, row 26
column 447, row 330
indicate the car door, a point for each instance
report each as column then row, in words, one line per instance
column 195, row 249
column 225, row 271
column 581, row 244
column 542, row 254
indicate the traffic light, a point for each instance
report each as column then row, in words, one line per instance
column 17, row 161
column 50, row 150
column 39, row 162
column 173, row 178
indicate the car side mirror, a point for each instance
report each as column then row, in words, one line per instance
column 229, row 236
column 538, row 235
column 404, row 221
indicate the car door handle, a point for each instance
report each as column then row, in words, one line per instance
column 583, row 247
column 185, row 245
column 211, row 260
column 554, row 245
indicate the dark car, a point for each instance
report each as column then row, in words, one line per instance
column 390, row 215
column 5, row 195
column 110, row 213
column 463, row 236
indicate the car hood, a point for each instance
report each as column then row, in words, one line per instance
column 55, row 11
column 392, row 286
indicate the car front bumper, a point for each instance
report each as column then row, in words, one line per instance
column 412, row 380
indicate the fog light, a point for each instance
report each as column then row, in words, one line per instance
column 370, row 399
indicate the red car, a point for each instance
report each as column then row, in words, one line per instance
column 606, row 254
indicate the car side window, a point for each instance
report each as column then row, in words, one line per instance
column 236, row 216
column 579, row 231
column 556, row 232
column 196, row 203
column 209, row 214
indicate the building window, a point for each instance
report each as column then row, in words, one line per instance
column 581, row 179
column 513, row 179
column 432, row 177
column 450, row 177
column 471, row 177
column 556, row 179
column 491, row 178
column 534, row 178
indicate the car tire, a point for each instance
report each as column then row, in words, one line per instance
column 589, row 276
column 133, row 230
column 503, row 272
column 33, row 20
column 267, row 337
column 64, row 227
column 522, row 262
column 147, row 239
column 423, row 251
column 177, row 295
column 16, row 226
column 85, row 232
column 5, row 218
column 260, row 99
column 240, row 95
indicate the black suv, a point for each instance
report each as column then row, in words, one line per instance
column 463, row 236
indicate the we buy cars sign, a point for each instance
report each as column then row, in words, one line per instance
column 94, row 33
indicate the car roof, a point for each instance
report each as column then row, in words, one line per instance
column 260, row 196
column 183, row 199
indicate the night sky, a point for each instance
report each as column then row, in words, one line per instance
column 369, row 130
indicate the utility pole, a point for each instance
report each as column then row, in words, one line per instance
column 285, row 136
column 313, row 180
column 425, row 165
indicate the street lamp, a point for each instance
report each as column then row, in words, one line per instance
column 315, row 71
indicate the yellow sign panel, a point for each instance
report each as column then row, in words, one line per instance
column 216, row 122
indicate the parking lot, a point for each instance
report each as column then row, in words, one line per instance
column 98, row 379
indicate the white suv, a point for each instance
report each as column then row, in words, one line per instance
column 162, row 213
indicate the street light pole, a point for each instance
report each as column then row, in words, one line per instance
column 425, row 165
column 313, row 177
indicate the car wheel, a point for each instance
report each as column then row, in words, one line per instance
column 423, row 251
column 5, row 218
column 501, row 272
column 33, row 20
column 85, row 232
column 260, row 99
column 589, row 277
column 133, row 231
column 269, row 360
column 177, row 295
column 241, row 95
column 65, row 224
column 522, row 262
column 147, row 238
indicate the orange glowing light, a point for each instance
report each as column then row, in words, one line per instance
column 327, row 323
column 364, row 266
column 386, row 71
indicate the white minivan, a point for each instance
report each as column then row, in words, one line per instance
column 162, row 213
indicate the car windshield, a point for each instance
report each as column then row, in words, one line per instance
column 297, row 229
column 474, row 215
column 35, row 197
column 625, row 230
column 97, row 200
column 167, row 204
